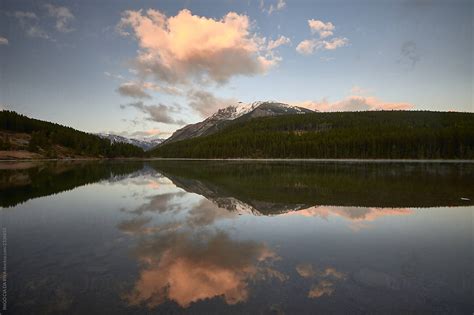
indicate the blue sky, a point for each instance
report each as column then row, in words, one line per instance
column 97, row 67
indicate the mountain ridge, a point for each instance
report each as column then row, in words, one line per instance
column 234, row 113
column 145, row 144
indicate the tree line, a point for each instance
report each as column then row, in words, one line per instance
column 374, row 134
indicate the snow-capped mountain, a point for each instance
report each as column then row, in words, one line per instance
column 145, row 144
column 241, row 111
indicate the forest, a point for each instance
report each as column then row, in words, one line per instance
column 363, row 135
column 46, row 135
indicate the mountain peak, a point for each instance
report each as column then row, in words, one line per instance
column 225, row 116
column 232, row 112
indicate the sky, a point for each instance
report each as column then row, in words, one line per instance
column 146, row 68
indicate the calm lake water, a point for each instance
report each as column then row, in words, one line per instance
column 238, row 237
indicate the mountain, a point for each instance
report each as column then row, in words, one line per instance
column 335, row 135
column 234, row 113
column 22, row 137
column 145, row 144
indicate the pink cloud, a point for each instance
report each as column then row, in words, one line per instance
column 354, row 103
column 323, row 29
column 282, row 40
column 187, row 47
column 308, row 46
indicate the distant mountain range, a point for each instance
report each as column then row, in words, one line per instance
column 234, row 113
column 145, row 144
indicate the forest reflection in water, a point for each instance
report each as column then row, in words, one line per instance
column 238, row 236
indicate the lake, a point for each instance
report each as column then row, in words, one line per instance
column 241, row 237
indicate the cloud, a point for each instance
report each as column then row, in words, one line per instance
column 323, row 29
column 276, row 6
column 409, row 54
column 134, row 226
column 157, row 113
column 305, row 270
column 137, row 226
column 206, row 103
column 132, row 89
column 327, row 279
column 309, row 46
column 63, row 17
column 332, row 272
column 114, row 76
column 185, row 269
column 160, row 203
column 306, row 47
column 3, row 41
column 27, row 15
column 138, row 89
column 29, row 22
column 150, row 133
column 324, row 287
column 352, row 213
column 358, row 216
column 357, row 101
column 353, row 103
column 187, row 47
column 282, row 40
column 206, row 213
column 323, row 42
column 162, row 89
column 37, row 31
column 334, row 43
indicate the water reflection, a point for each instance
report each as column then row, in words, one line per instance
column 187, row 260
column 239, row 237
column 325, row 279
column 270, row 188
column 185, row 268
column 359, row 217
column 21, row 181
column 262, row 188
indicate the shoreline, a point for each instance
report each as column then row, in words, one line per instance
column 253, row 160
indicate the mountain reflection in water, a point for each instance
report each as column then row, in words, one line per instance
column 267, row 187
column 238, row 237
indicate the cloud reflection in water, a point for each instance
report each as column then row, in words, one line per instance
column 185, row 268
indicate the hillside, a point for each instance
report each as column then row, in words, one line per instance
column 373, row 134
column 229, row 115
column 24, row 137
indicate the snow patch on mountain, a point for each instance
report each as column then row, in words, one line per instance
column 145, row 144
column 224, row 116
